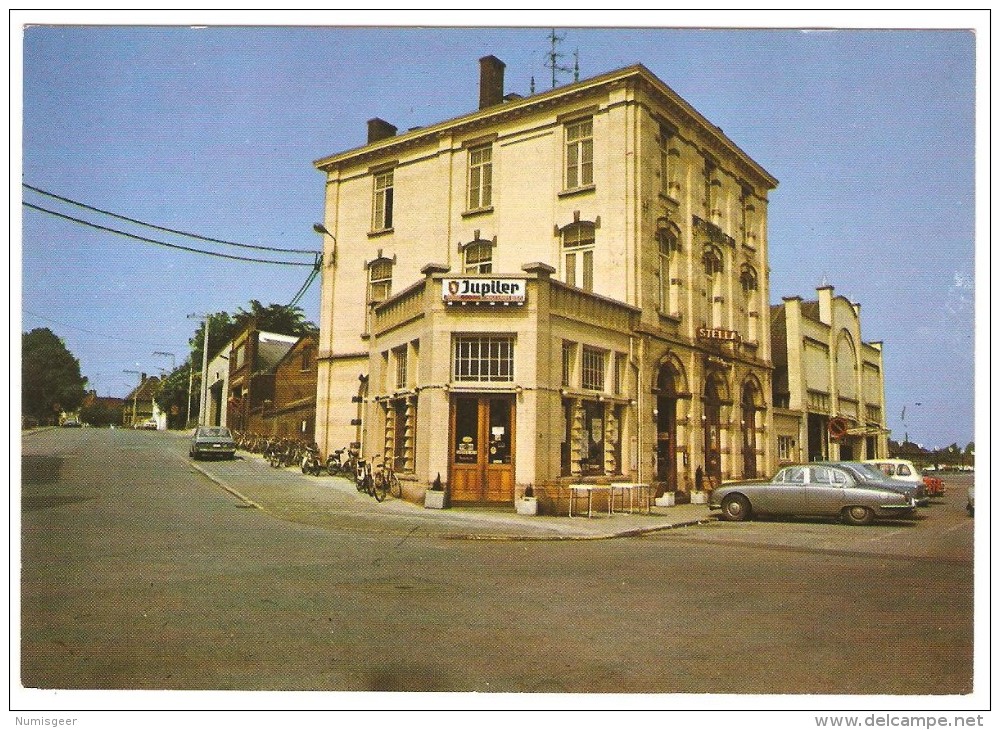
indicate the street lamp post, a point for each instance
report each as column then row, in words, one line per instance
column 135, row 393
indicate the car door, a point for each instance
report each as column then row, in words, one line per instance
column 825, row 491
column 785, row 495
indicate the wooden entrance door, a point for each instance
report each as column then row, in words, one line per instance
column 482, row 448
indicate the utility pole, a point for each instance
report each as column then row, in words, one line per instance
column 204, row 373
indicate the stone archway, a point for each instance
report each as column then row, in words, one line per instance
column 667, row 379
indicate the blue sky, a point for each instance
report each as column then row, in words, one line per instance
column 213, row 130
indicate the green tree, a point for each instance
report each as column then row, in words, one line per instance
column 50, row 376
column 99, row 413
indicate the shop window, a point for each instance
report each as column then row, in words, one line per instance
column 786, row 444
column 580, row 154
column 399, row 354
column 480, row 177
column 568, row 363
column 592, row 370
column 488, row 359
column 592, row 461
column 382, row 201
column 578, row 240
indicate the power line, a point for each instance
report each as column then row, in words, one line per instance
column 301, row 292
column 89, row 332
column 164, row 243
column 162, row 228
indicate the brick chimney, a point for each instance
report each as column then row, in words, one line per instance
column 379, row 129
column 490, row 81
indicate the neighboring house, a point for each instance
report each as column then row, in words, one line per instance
column 140, row 402
column 252, row 361
column 829, row 385
column 292, row 414
column 218, row 387
column 566, row 287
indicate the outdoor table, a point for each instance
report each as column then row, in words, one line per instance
column 575, row 489
column 630, row 488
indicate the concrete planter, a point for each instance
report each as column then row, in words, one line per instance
column 527, row 506
column 699, row 497
column 434, row 499
column 669, row 499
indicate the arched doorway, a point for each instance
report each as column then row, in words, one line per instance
column 712, row 432
column 749, row 427
column 666, row 428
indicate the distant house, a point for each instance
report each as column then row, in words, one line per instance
column 253, row 359
column 828, row 384
column 292, row 413
column 218, row 387
column 140, row 402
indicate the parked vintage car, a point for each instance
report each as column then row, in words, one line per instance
column 873, row 476
column 811, row 490
column 903, row 471
column 212, row 441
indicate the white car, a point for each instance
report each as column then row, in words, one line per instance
column 902, row 470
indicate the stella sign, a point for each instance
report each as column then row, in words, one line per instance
column 476, row 290
column 704, row 333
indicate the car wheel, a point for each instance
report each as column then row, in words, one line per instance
column 735, row 508
column 859, row 515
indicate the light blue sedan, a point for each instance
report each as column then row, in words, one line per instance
column 811, row 490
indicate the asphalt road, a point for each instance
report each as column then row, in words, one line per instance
column 140, row 573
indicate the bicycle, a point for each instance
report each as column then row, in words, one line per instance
column 336, row 465
column 389, row 479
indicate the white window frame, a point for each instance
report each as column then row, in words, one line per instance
column 579, row 154
column 481, row 255
column 593, row 369
column 382, row 200
column 480, row 177
column 482, row 359
column 578, row 242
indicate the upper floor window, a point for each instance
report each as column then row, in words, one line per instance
column 578, row 240
column 669, row 162
column 580, row 154
column 668, row 249
column 382, row 201
column 379, row 280
column 748, row 282
column 480, row 178
column 712, row 261
column 478, row 257
column 568, row 362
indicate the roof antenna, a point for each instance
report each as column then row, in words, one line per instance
column 554, row 56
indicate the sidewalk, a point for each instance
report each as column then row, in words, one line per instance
column 335, row 503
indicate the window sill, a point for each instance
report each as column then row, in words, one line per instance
column 383, row 232
column 673, row 317
column 668, row 198
column 577, row 191
column 477, row 212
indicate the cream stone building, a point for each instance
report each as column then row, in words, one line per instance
column 566, row 287
column 829, row 385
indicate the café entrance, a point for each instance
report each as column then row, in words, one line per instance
column 482, row 448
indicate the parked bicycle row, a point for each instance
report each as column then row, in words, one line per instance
column 373, row 475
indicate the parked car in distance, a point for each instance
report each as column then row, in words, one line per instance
column 901, row 470
column 213, row 441
column 71, row 423
column 873, row 476
column 819, row 490
column 935, row 485
column 149, row 424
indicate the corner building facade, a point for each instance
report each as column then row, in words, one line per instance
column 561, row 288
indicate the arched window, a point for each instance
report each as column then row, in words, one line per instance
column 713, row 263
column 669, row 247
column 379, row 285
column 750, row 286
column 478, row 257
column 578, row 240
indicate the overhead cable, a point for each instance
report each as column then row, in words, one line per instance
column 164, row 243
column 163, row 228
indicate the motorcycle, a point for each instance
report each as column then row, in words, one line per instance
column 311, row 463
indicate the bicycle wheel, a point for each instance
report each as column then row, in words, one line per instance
column 395, row 488
column 380, row 487
column 332, row 467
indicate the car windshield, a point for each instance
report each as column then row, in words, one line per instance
column 214, row 432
